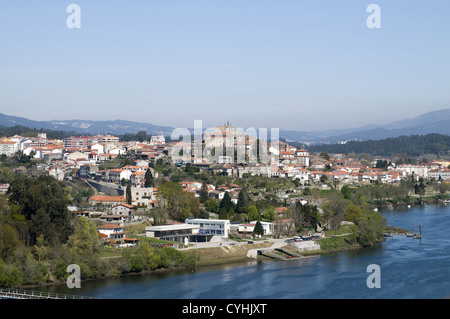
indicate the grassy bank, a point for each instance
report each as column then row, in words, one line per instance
column 223, row 255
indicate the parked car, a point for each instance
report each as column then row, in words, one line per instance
column 250, row 242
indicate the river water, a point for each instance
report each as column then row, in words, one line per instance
column 409, row 268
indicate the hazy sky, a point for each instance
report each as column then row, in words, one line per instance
column 293, row 64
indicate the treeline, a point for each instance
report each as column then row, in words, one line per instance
column 414, row 145
column 40, row 237
column 33, row 132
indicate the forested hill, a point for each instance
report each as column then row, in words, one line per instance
column 414, row 145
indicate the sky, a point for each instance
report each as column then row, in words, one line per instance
column 288, row 64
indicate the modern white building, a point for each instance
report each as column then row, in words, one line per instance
column 182, row 233
column 216, row 227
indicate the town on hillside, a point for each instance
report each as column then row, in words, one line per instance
column 125, row 183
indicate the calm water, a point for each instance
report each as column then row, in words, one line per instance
column 410, row 268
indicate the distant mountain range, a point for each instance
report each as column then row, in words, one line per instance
column 116, row 127
column 432, row 122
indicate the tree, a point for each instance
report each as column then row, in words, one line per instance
column 270, row 213
column 149, row 182
column 212, row 205
column 180, row 205
column 258, row 230
column 40, row 249
column 204, row 193
column 223, row 213
column 9, row 241
column 242, row 202
column 226, row 202
column 346, row 192
column 252, row 212
column 370, row 229
column 231, row 213
column 443, row 188
column 353, row 212
column 128, row 194
column 325, row 155
column 42, row 202
column 85, row 239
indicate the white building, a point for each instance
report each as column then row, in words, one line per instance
column 109, row 139
column 418, row 170
column 57, row 173
column 444, row 174
column 8, row 147
column 217, row 227
column 157, row 139
column 182, row 233
column 99, row 148
column 124, row 210
column 267, row 226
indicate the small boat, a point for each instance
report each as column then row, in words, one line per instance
column 409, row 234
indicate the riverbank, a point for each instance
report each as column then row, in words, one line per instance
column 344, row 239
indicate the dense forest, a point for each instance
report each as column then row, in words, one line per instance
column 414, row 145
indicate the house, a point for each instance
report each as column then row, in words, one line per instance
column 57, row 173
column 109, row 218
column 124, row 210
column 112, row 232
column 87, row 171
column 99, row 148
column 116, row 175
column 143, row 196
column 249, row 228
column 76, row 155
column 281, row 210
column 217, row 194
column 80, row 213
column 106, row 200
column 4, row 188
column 267, row 226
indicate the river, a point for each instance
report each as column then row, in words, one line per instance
column 409, row 268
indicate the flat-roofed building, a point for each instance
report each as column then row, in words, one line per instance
column 216, row 227
column 182, row 233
